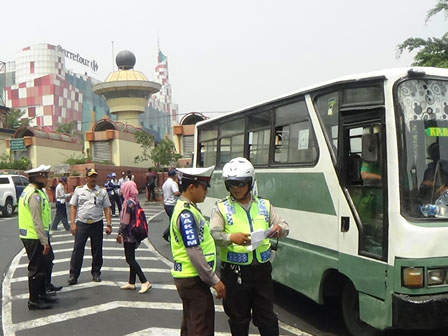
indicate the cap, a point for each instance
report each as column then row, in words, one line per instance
column 109, row 176
column 36, row 171
column 64, row 178
column 113, row 175
column 196, row 174
column 91, row 172
column 172, row 172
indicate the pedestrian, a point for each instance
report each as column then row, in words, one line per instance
column 122, row 180
column 171, row 192
column 151, row 179
column 61, row 206
column 34, row 225
column 112, row 187
column 245, row 270
column 128, row 218
column 129, row 176
column 87, row 206
column 194, row 255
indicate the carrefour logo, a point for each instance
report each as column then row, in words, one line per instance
column 77, row 58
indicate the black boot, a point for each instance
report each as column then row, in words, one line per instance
column 38, row 305
column 48, row 298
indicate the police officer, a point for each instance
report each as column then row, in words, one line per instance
column 246, row 268
column 34, row 225
column 87, row 206
column 61, row 207
column 194, row 255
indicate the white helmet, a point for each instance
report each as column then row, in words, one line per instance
column 239, row 169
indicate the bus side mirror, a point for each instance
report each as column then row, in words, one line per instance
column 370, row 147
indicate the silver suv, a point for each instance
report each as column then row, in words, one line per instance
column 11, row 186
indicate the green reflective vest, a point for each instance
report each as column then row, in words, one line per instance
column 26, row 225
column 183, row 268
column 238, row 219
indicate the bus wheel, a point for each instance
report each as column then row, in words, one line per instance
column 350, row 313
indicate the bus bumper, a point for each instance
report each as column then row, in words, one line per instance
column 420, row 312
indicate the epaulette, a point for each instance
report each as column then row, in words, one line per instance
column 80, row 186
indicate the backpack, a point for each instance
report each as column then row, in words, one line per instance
column 139, row 229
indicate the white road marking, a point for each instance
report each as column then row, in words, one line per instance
column 59, row 261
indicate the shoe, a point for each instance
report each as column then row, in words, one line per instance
column 50, row 292
column 72, row 281
column 48, row 298
column 38, row 305
column 167, row 238
column 145, row 287
column 128, row 286
column 54, row 288
column 96, row 278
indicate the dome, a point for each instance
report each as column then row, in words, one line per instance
column 125, row 60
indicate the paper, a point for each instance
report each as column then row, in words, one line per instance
column 257, row 237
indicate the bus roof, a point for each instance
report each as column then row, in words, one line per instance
column 392, row 73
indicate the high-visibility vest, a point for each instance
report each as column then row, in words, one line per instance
column 238, row 219
column 26, row 225
column 183, row 268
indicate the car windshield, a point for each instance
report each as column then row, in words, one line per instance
column 423, row 116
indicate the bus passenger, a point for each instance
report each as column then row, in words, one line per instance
column 246, row 272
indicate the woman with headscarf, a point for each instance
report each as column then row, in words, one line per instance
column 129, row 192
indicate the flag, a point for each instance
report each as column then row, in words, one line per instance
column 161, row 57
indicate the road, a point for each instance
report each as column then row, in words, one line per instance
column 90, row 308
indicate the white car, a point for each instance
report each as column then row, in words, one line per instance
column 11, row 186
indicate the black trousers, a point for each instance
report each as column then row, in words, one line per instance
column 84, row 231
column 115, row 200
column 61, row 216
column 134, row 267
column 151, row 192
column 39, row 267
column 198, row 316
column 169, row 211
column 252, row 299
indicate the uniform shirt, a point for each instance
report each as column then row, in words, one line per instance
column 60, row 193
column 169, row 189
column 36, row 213
column 194, row 252
column 90, row 203
column 222, row 239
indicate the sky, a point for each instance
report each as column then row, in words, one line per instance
column 226, row 55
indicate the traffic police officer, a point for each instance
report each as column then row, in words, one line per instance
column 194, row 255
column 245, row 264
column 87, row 205
column 34, row 225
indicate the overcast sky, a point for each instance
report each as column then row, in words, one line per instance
column 226, row 55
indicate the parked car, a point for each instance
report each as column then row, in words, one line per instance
column 11, row 186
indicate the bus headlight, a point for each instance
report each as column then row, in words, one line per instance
column 435, row 276
column 413, row 277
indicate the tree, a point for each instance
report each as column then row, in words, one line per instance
column 432, row 51
column 164, row 154
column 16, row 119
column 147, row 142
column 68, row 128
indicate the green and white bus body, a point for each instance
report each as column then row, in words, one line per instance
column 359, row 238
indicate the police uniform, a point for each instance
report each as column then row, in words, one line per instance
column 246, row 273
column 90, row 204
column 194, row 254
column 34, row 220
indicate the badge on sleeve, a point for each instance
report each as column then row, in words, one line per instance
column 188, row 229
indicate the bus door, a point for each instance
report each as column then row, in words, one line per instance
column 363, row 218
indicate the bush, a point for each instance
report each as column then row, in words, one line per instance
column 6, row 163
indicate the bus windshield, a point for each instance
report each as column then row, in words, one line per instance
column 423, row 116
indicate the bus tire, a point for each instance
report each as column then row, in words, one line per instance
column 350, row 313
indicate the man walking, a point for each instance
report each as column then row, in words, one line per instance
column 61, row 207
column 34, row 225
column 87, row 206
column 246, row 270
column 170, row 193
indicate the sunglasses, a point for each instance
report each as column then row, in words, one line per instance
column 238, row 184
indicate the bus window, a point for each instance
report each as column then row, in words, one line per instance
column 294, row 135
column 230, row 148
column 208, row 153
column 259, row 147
column 327, row 106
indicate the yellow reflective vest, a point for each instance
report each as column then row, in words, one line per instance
column 26, row 225
column 183, row 268
column 238, row 219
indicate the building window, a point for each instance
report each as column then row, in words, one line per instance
column 32, row 67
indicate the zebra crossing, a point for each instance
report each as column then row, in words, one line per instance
column 98, row 308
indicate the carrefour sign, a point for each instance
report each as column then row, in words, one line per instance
column 77, row 58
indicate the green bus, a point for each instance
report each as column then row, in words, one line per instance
column 356, row 166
